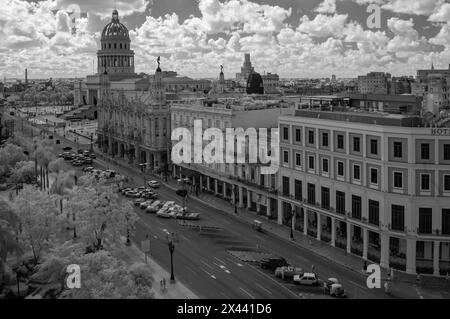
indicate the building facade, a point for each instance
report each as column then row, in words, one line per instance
column 242, row 184
column 374, row 83
column 271, row 83
column 246, row 70
column 377, row 186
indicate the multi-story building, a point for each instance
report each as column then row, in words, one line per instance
column 434, row 86
column 374, row 184
column 400, row 85
column 133, row 116
column 243, row 184
column 271, row 83
column 374, row 83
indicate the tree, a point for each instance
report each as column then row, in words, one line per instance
column 23, row 173
column 99, row 215
column 102, row 274
column 10, row 155
column 39, row 221
column 9, row 221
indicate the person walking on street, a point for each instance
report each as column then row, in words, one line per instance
column 164, row 284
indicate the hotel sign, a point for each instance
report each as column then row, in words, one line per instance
column 440, row 131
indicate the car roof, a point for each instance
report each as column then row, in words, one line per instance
column 309, row 274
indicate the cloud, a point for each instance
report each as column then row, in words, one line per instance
column 413, row 7
column 327, row 6
column 323, row 25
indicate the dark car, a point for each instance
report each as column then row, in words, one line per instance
column 272, row 263
column 67, row 148
column 181, row 192
column 92, row 155
column 80, row 151
column 87, row 160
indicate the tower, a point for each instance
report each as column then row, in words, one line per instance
column 158, row 89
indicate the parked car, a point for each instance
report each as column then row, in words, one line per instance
column 164, row 212
column 138, row 201
column 88, row 160
column 153, row 208
column 92, row 155
column 88, row 169
column 125, row 190
column 288, row 272
column 77, row 163
column 272, row 263
column 146, row 204
column 153, row 184
column 308, row 279
column 187, row 216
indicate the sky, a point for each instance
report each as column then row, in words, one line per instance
column 293, row 38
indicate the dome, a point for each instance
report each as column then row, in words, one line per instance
column 115, row 29
column 255, row 84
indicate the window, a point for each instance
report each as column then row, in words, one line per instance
column 340, row 202
column 286, row 157
column 446, row 152
column 298, row 159
column 285, row 133
column 357, row 172
column 374, row 176
column 374, row 212
column 325, row 198
column 373, row 147
column 340, row 142
column 398, row 180
column 425, row 151
column 446, row 221
column 356, row 144
column 446, row 183
column 398, row 149
column 311, row 137
column 286, row 186
column 298, row 135
column 356, row 207
column 325, row 139
column 325, row 165
column 425, row 182
column 298, row 189
column 311, row 162
column 340, row 168
column 425, row 220
column 311, row 194
column 398, row 218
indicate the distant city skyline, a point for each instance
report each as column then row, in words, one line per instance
column 295, row 39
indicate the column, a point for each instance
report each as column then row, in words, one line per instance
column 208, row 183
column 224, row 189
column 201, row 182
column 319, row 226
column 137, row 155
column 349, row 237
column 258, row 208
column 216, row 187
column 305, row 221
column 411, row 256
column 110, row 146
column 249, row 199
column 269, row 207
column 365, row 242
column 436, row 258
column 384, row 253
column 280, row 212
column 241, row 197
column 333, row 232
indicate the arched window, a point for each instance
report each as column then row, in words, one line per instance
column 115, row 45
column 121, row 45
column 125, row 46
column 110, row 45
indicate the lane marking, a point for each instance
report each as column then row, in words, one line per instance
column 418, row 292
column 251, row 296
column 191, row 270
column 220, row 260
column 204, row 263
column 185, row 238
column 225, row 295
column 209, row 274
column 260, row 286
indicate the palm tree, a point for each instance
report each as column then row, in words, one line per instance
column 8, row 242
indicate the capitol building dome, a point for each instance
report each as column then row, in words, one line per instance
column 115, row 55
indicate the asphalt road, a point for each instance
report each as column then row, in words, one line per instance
column 202, row 261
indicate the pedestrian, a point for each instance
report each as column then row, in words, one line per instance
column 387, row 288
column 418, row 279
column 161, row 284
column 312, row 268
column 392, row 273
column 164, row 283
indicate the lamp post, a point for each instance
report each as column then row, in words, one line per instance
column 171, row 250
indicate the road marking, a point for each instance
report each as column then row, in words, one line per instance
column 233, row 262
column 358, row 285
column 204, row 263
column 247, row 292
column 209, row 274
column 185, row 238
column 260, row 286
column 418, row 292
column 220, row 260
column 260, row 238
column 191, row 270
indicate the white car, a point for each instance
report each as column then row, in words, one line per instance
column 164, row 212
column 146, row 204
column 153, row 208
column 153, row 184
column 307, row 278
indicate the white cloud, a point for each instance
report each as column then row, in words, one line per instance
column 441, row 14
column 327, row 6
column 323, row 25
column 413, row 7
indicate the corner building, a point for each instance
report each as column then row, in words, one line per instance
column 374, row 184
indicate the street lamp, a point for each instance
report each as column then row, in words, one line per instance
column 171, row 249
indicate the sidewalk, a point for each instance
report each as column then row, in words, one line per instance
column 174, row 290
